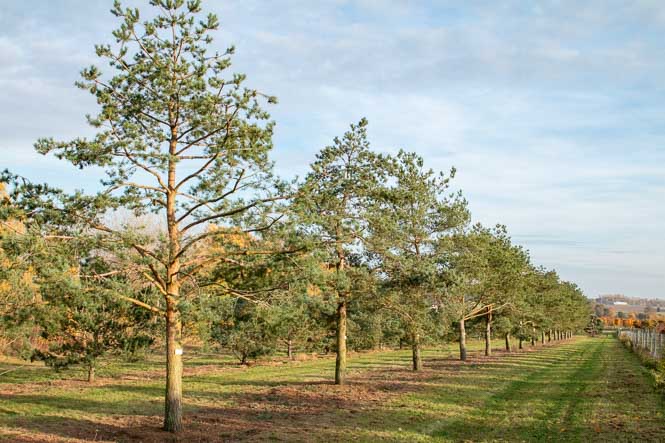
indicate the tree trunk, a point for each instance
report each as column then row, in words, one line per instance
column 171, row 288
column 508, row 342
column 549, row 336
column 415, row 346
column 289, row 349
column 173, row 411
column 533, row 337
column 521, row 346
column 340, row 363
column 91, row 372
column 462, row 340
column 488, row 334
column 542, row 337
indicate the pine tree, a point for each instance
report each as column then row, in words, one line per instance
column 481, row 271
column 415, row 212
column 332, row 207
column 178, row 137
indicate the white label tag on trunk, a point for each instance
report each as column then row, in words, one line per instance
column 178, row 351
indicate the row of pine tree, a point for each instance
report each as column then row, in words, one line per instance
column 191, row 239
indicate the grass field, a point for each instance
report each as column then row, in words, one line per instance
column 582, row 390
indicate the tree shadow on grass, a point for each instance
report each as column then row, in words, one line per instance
column 291, row 415
column 64, row 402
column 271, row 407
column 50, row 428
column 268, row 410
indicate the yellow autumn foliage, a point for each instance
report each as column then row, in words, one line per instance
column 313, row 290
column 5, row 287
column 232, row 236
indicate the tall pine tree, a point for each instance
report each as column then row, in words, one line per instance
column 332, row 206
column 178, row 136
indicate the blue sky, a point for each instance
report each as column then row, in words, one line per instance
column 551, row 111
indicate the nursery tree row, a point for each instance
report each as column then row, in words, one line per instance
column 192, row 239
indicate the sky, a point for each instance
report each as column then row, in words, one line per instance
column 551, row 111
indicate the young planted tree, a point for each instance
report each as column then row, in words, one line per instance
column 254, row 283
column 540, row 294
column 572, row 311
column 295, row 323
column 82, row 322
column 503, row 284
column 480, row 269
column 333, row 207
column 79, row 316
column 178, row 137
column 245, row 329
column 414, row 213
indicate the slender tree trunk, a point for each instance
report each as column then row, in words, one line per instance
column 533, row 336
column 520, row 345
column 549, row 336
column 289, row 349
column 415, row 346
column 462, row 340
column 340, row 363
column 173, row 410
column 508, row 348
column 542, row 337
column 488, row 334
column 171, row 287
column 91, row 372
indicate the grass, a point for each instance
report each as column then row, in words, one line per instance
column 583, row 390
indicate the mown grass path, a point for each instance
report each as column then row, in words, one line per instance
column 583, row 390
column 589, row 390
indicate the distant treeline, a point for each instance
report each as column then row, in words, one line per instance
column 634, row 301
